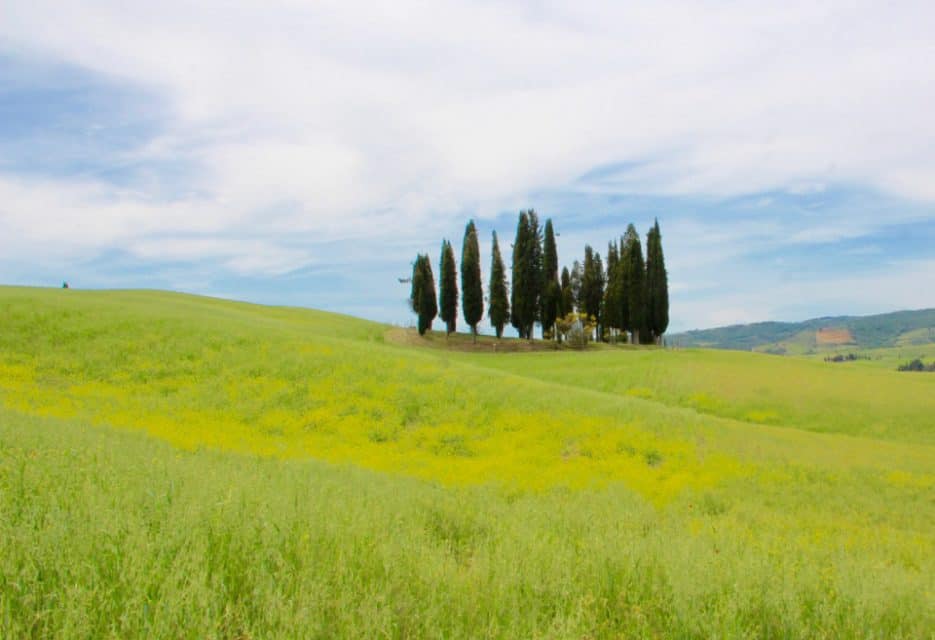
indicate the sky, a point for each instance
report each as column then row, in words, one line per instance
column 302, row 153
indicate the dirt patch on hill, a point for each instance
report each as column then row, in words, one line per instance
column 488, row 344
column 830, row 336
column 464, row 342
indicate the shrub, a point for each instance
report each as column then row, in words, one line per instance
column 917, row 365
column 851, row 357
column 576, row 329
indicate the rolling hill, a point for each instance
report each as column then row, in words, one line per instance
column 178, row 466
column 900, row 328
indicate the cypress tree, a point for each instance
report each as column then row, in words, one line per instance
column 577, row 281
column 610, row 309
column 657, row 284
column 623, row 285
column 520, row 287
column 568, row 294
column 448, row 288
column 587, row 282
column 598, row 293
column 499, row 311
column 527, row 274
column 592, row 286
column 550, row 299
column 415, row 293
column 472, row 290
column 428, row 308
column 636, row 287
column 534, row 279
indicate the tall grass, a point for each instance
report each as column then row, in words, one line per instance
column 870, row 399
column 309, row 480
column 108, row 534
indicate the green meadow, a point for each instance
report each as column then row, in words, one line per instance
column 174, row 466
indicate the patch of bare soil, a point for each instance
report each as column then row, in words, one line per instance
column 464, row 342
column 833, row 336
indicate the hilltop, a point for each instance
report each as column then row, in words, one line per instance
column 897, row 329
column 180, row 466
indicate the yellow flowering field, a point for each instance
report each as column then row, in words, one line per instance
column 553, row 494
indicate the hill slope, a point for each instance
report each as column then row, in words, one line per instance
column 314, row 480
column 861, row 332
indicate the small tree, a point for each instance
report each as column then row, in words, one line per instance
column 472, row 291
column 576, row 329
column 448, row 284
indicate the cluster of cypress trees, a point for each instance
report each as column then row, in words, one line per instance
column 628, row 299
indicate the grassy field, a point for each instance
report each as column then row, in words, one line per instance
column 175, row 466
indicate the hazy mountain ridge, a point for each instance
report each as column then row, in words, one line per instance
column 882, row 330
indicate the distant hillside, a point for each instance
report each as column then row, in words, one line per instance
column 900, row 328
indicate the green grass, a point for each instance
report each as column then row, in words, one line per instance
column 809, row 394
column 181, row 467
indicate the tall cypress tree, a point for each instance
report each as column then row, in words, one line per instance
column 428, row 308
column 520, row 286
column 534, row 279
column 527, row 274
column 577, row 281
column 448, row 288
column 636, row 287
column 587, row 282
column 592, row 286
column 568, row 294
column 598, row 293
column 472, row 290
column 550, row 298
column 415, row 293
column 499, row 311
column 610, row 310
column 623, row 284
column 657, row 284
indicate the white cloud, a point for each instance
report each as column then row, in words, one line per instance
column 356, row 105
column 339, row 120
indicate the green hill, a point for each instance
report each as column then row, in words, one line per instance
column 178, row 466
column 899, row 328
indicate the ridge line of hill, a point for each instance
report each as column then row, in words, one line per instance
column 897, row 328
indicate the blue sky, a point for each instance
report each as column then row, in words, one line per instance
column 302, row 154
